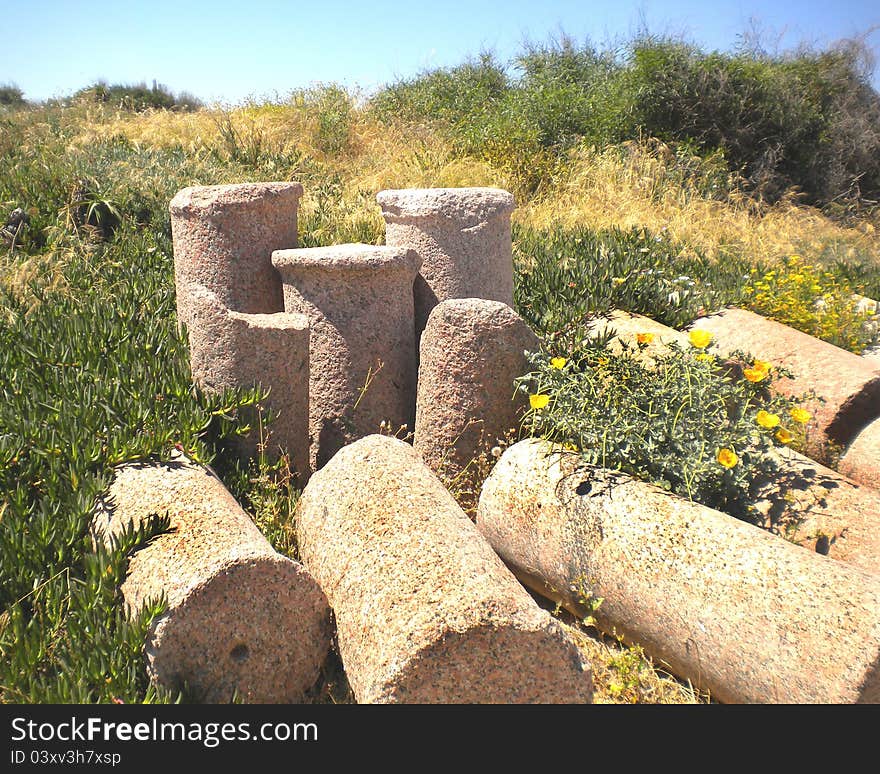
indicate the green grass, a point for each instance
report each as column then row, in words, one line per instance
column 96, row 374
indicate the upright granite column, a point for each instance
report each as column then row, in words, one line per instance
column 362, row 359
column 234, row 349
column 241, row 619
column 471, row 352
column 224, row 236
column 736, row 610
column 463, row 238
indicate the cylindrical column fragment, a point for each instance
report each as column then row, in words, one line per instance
column 224, row 236
column 234, row 349
column 738, row 611
column 362, row 361
column 471, row 352
column 425, row 611
column 862, row 459
column 849, row 384
column 464, row 240
column 822, row 510
column 241, row 619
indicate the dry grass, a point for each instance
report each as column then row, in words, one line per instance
column 637, row 184
column 640, row 185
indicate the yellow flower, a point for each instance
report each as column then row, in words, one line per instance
column 766, row 419
column 762, row 365
column 558, row 362
column 726, row 458
column 699, row 338
column 704, row 357
column 538, row 401
column 754, row 374
column 783, row 436
column 802, row 416
column 602, row 361
column 618, row 280
column 644, row 338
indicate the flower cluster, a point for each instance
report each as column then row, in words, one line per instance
column 811, row 299
column 682, row 420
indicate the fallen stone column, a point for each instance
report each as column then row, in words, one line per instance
column 240, row 619
column 233, row 349
column 425, row 611
column 738, row 611
column 471, row 352
column 834, row 515
column 463, row 238
column 849, row 383
column 862, row 459
column 362, row 361
column 224, row 236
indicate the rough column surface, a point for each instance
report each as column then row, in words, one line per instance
column 425, row 610
column 463, row 237
column 471, row 351
column 234, row 349
column 862, row 459
column 736, row 610
column 833, row 515
column 224, row 236
column 849, row 383
column 362, row 359
column 821, row 509
column 240, row 619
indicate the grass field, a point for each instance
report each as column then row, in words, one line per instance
column 95, row 372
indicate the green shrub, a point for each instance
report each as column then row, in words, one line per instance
column 683, row 419
column 11, row 96
column 138, row 96
column 564, row 278
column 808, row 120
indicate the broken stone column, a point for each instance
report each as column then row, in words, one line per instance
column 849, row 383
column 362, row 359
column 862, row 459
column 464, row 240
column 627, row 327
column 822, row 510
column 241, row 619
column 425, row 611
column 224, row 236
column 471, row 352
column 739, row 612
column 234, row 349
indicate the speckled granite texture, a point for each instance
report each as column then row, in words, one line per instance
column 862, row 459
column 359, row 303
column 463, row 237
column 470, row 353
column 235, row 349
column 224, row 236
column 738, row 611
column 425, row 610
column 849, row 383
column 241, row 619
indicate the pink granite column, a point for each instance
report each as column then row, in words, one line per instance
column 362, row 361
column 224, row 236
column 463, row 238
column 241, row 619
column 736, row 610
column 234, row 349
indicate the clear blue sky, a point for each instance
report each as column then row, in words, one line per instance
column 228, row 51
